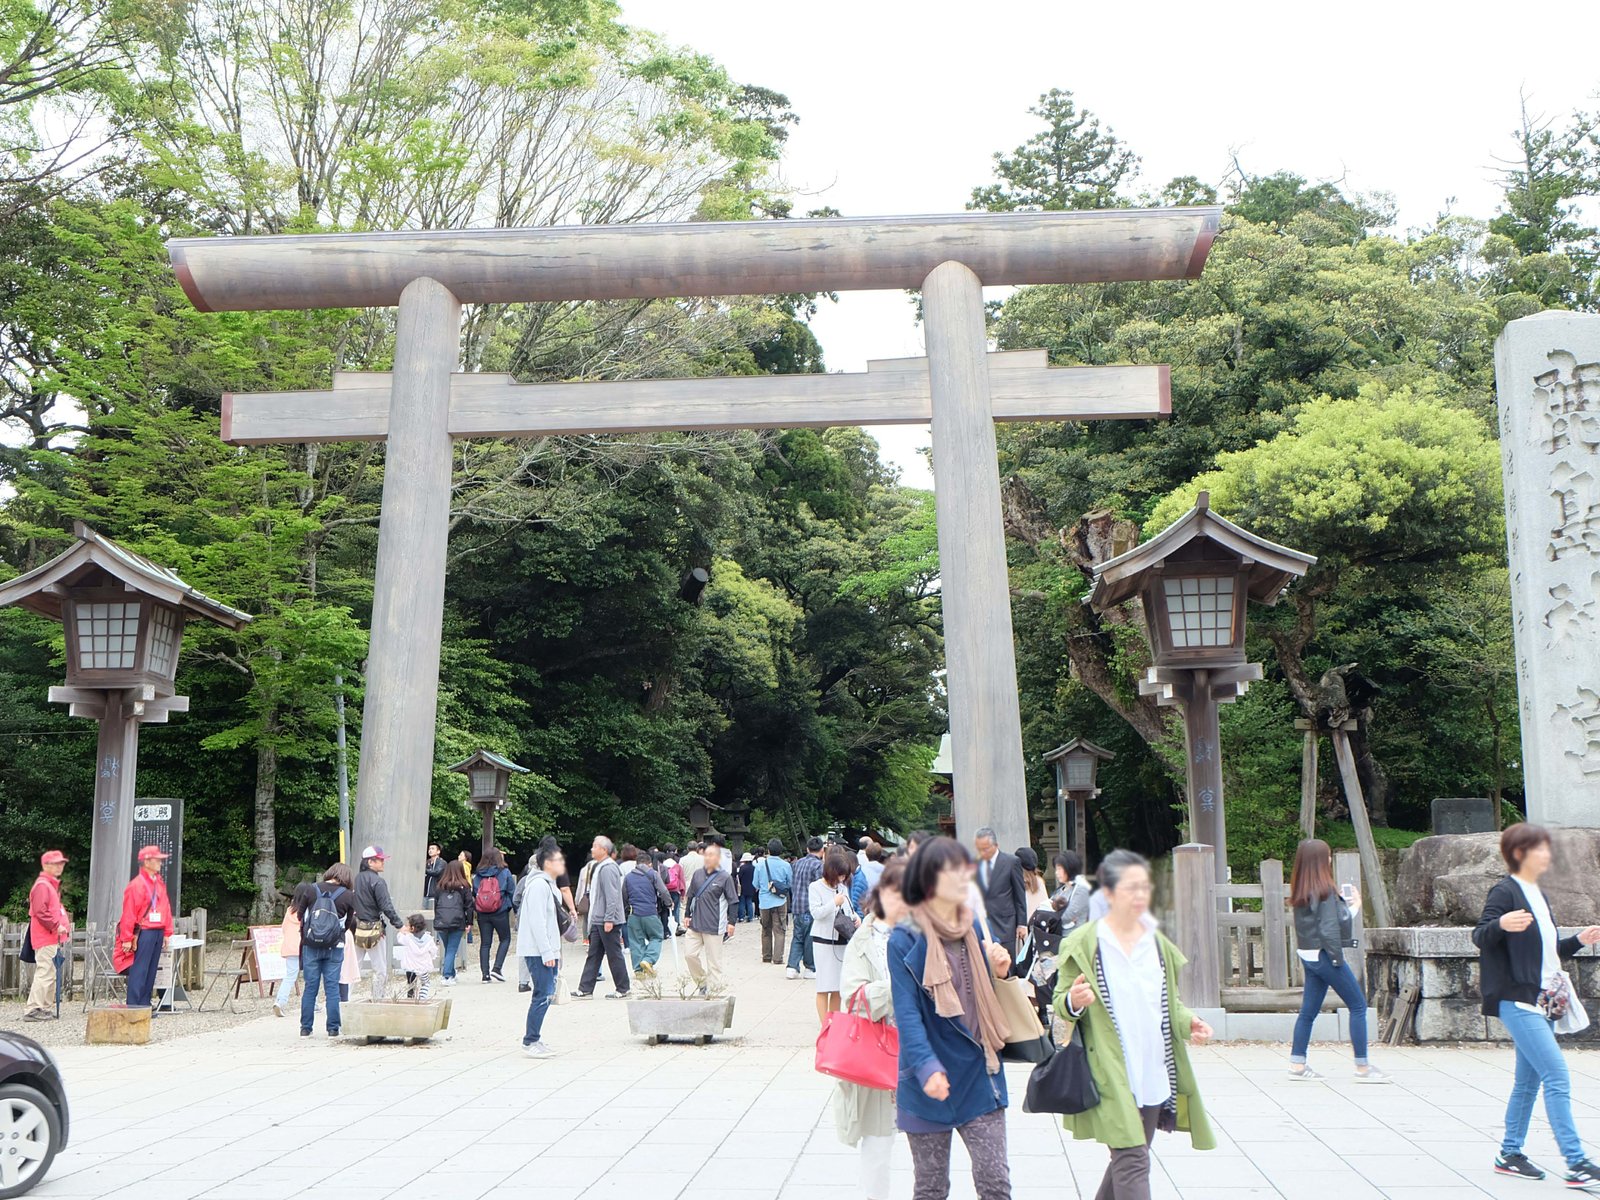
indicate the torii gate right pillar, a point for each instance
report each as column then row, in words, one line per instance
column 975, row 590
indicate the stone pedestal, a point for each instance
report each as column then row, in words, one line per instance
column 1547, row 374
column 409, row 1020
column 700, row 1020
column 117, row 1026
column 1443, row 962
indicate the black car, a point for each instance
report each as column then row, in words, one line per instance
column 33, row 1113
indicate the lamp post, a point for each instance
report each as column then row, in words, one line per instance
column 123, row 618
column 1194, row 580
column 488, row 782
column 1077, row 765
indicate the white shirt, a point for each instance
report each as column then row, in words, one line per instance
column 1134, row 982
column 1550, row 959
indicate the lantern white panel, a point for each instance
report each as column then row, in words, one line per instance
column 108, row 635
column 1201, row 611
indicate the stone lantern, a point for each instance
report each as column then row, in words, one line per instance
column 488, row 785
column 1077, row 765
column 1194, row 579
column 123, row 618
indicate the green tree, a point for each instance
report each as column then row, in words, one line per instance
column 1069, row 164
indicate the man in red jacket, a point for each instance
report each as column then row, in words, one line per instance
column 145, row 926
column 49, row 924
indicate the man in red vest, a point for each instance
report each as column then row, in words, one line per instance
column 48, row 924
column 145, row 926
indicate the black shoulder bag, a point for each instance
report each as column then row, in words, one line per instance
column 1063, row 1083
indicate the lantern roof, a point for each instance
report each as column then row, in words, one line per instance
column 1200, row 535
column 480, row 758
column 1079, row 746
column 43, row 589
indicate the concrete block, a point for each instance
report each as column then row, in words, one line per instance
column 411, row 1020
column 117, row 1025
column 1450, row 1021
column 1449, row 978
column 663, row 1019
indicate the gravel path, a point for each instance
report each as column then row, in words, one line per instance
column 69, row 1029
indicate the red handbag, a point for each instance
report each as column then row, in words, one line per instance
column 857, row 1050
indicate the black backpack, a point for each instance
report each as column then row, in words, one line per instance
column 323, row 927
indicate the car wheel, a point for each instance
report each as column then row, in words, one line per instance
column 30, row 1135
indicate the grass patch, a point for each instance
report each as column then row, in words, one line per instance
column 1341, row 835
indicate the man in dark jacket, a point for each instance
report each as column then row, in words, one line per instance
column 431, row 873
column 1005, row 894
column 713, row 900
column 605, row 924
column 374, row 907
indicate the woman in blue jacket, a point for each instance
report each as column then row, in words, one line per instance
column 951, row 1027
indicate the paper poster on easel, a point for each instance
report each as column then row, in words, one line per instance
column 266, row 941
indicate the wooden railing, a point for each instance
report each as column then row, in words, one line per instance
column 1244, row 958
column 16, row 976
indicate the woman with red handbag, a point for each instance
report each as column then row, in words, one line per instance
column 864, row 1116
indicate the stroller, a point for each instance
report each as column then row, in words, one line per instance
column 1036, row 958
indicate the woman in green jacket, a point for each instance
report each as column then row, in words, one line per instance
column 1124, row 991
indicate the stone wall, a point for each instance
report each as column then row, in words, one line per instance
column 1444, row 962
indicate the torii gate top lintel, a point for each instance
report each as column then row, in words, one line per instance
column 607, row 262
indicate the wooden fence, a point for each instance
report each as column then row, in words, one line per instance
column 16, row 976
column 1243, row 958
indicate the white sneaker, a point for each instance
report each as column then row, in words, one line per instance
column 538, row 1050
column 807, row 973
column 451, row 982
column 791, row 973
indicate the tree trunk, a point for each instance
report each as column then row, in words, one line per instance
column 265, row 873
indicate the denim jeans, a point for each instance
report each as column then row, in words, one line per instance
column 800, row 945
column 452, row 947
column 1539, row 1061
column 747, row 907
column 1320, row 976
column 544, row 992
column 321, row 968
column 677, row 909
column 291, row 972
column 644, row 940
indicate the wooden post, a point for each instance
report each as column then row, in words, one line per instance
column 1370, row 866
column 1274, row 931
column 985, row 718
column 1202, row 735
column 1080, row 827
column 1192, row 886
column 488, row 828
column 1308, row 779
column 111, row 844
column 396, row 779
column 1347, row 870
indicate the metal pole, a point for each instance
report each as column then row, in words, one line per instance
column 344, row 770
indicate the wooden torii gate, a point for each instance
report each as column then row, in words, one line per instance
column 425, row 402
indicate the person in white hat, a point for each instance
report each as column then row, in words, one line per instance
column 373, row 908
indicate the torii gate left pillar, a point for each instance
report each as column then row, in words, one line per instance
column 429, row 275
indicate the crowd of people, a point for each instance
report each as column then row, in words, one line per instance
column 928, row 936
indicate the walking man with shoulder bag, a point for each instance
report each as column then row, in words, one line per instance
column 373, row 907
column 773, row 880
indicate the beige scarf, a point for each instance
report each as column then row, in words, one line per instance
column 936, row 978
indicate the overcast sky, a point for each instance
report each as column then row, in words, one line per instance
column 901, row 105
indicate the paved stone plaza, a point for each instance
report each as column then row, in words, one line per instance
column 255, row 1111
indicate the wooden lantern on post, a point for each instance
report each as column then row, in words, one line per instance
column 1194, row 579
column 123, row 618
column 1077, row 765
column 489, row 784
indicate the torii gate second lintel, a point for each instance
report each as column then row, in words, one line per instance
column 960, row 387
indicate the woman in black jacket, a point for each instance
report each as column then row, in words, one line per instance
column 1324, row 927
column 452, row 916
column 1522, row 984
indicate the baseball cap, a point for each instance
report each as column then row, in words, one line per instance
column 373, row 852
column 50, row 857
column 152, row 851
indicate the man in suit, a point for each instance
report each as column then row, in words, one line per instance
column 1004, row 894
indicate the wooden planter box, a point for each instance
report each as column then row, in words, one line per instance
column 660, row 1020
column 409, row 1020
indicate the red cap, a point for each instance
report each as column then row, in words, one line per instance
column 51, row 857
column 152, row 851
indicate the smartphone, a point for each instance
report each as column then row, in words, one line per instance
column 1347, row 891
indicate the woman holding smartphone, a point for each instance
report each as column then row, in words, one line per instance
column 1324, row 926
